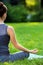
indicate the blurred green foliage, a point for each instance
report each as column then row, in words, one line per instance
column 17, row 13
column 22, row 13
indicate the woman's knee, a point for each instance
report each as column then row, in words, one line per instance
column 26, row 54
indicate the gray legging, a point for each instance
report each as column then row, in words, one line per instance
column 12, row 57
column 19, row 56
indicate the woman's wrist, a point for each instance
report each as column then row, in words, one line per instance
column 30, row 51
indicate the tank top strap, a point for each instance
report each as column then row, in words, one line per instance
column 3, row 29
column 6, row 27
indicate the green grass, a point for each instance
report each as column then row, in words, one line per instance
column 30, row 35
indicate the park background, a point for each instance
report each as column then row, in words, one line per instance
column 24, row 10
column 26, row 17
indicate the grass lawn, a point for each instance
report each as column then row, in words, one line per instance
column 30, row 35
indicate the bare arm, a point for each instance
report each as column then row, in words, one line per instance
column 15, row 43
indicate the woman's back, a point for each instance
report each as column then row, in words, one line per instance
column 4, row 40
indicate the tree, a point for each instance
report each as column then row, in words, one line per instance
column 14, row 2
column 41, row 3
column 4, row 1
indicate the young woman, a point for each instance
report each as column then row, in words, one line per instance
column 7, row 34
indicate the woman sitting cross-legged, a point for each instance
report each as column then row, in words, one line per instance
column 7, row 34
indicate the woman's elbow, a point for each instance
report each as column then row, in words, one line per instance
column 16, row 46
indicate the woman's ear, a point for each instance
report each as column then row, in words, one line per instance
column 4, row 16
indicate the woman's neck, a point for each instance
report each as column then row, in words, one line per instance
column 1, row 21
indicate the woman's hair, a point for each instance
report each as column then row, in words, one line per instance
column 3, row 9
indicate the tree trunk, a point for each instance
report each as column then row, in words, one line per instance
column 41, row 3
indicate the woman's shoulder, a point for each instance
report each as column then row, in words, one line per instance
column 10, row 29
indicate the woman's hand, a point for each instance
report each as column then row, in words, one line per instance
column 33, row 51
